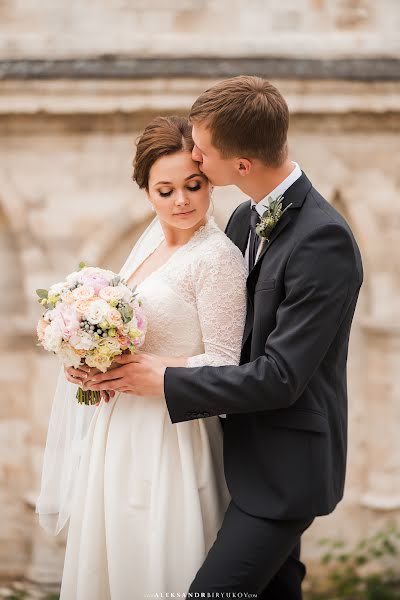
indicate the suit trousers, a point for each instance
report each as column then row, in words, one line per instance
column 255, row 555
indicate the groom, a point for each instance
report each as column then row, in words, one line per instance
column 286, row 404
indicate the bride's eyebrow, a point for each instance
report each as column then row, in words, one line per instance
column 194, row 175
column 186, row 179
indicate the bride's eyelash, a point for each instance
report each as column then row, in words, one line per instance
column 191, row 189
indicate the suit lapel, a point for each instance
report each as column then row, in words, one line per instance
column 280, row 226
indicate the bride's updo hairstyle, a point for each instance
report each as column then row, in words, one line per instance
column 162, row 136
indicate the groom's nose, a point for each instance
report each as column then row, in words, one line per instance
column 196, row 154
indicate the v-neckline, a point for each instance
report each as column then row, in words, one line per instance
column 158, row 269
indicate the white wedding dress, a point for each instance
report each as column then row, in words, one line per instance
column 150, row 495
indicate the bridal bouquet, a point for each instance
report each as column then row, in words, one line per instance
column 91, row 317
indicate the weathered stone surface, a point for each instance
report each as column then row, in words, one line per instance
column 311, row 28
column 66, row 195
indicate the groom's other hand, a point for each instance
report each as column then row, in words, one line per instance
column 139, row 374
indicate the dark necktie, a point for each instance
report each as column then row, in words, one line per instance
column 254, row 239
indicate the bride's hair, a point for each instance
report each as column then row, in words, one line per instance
column 162, row 136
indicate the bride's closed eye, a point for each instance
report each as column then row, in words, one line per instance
column 191, row 188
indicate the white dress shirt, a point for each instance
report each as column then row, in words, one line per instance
column 278, row 191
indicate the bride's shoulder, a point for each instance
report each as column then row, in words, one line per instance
column 215, row 247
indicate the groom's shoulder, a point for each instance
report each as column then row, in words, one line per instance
column 318, row 212
column 240, row 211
column 320, row 223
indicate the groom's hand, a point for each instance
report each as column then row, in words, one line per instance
column 139, row 374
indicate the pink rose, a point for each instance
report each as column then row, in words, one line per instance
column 83, row 292
column 68, row 297
column 68, row 321
column 140, row 318
column 123, row 340
column 110, row 293
column 82, row 306
column 114, row 318
column 97, row 282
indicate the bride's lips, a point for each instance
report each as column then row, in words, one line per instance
column 184, row 214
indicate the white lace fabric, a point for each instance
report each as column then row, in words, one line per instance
column 205, row 282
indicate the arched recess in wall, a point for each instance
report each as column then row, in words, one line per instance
column 358, row 438
column 11, row 279
column 116, row 254
column 339, row 203
column 121, row 236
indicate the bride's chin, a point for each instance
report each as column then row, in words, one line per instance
column 190, row 222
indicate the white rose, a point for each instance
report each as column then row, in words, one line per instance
column 52, row 315
column 100, row 361
column 110, row 293
column 69, row 357
column 97, row 311
column 82, row 341
column 57, row 288
column 128, row 294
column 83, row 292
column 88, row 271
column 73, row 278
column 52, row 337
column 111, row 344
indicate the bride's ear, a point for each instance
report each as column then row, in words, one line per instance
column 149, row 201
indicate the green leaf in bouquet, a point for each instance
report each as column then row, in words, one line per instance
column 42, row 293
column 126, row 313
column 82, row 265
column 115, row 281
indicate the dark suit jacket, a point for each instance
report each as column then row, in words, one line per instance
column 285, row 435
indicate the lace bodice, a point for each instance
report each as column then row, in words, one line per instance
column 196, row 302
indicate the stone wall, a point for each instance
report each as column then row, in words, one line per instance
column 67, row 132
column 199, row 27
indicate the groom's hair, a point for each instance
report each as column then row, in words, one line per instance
column 246, row 116
column 162, row 136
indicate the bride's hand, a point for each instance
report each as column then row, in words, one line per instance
column 80, row 375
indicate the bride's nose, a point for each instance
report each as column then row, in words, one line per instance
column 181, row 198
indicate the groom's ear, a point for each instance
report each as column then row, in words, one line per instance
column 243, row 166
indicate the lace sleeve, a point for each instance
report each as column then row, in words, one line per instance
column 219, row 281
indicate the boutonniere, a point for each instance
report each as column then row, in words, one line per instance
column 270, row 218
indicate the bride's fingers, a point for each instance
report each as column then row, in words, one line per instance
column 116, row 373
column 76, row 373
column 75, row 380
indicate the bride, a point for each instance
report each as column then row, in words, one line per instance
column 146, row 497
